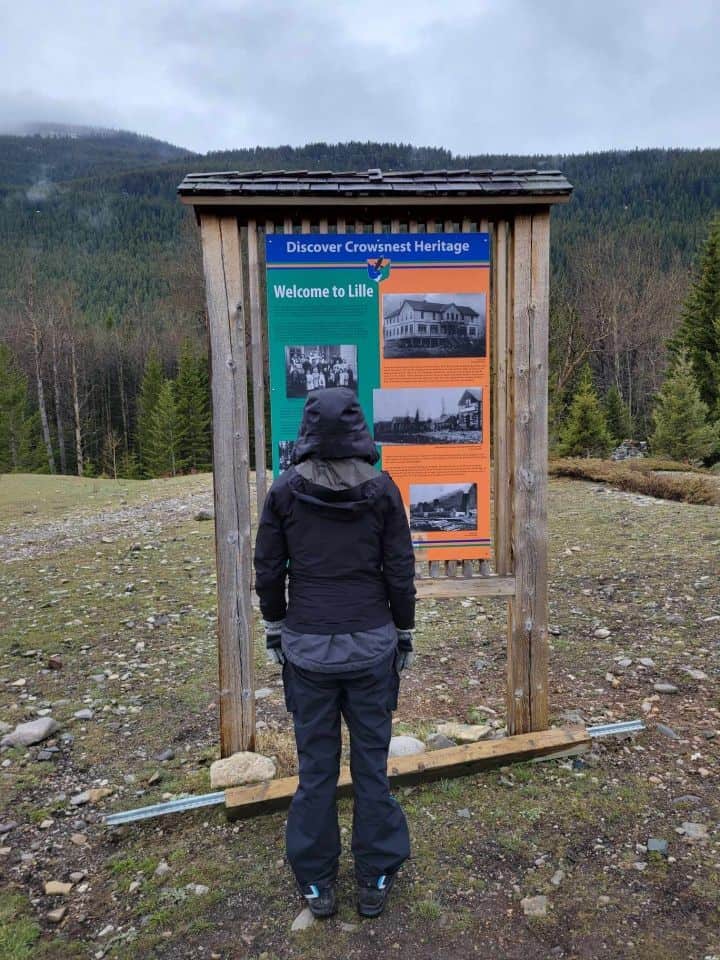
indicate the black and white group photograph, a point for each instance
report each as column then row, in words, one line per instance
column 285, row 452
column 443, row 507
column 434, row 325
column 309, row 368
column 419, row 415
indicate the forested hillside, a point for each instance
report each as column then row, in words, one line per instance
column 97, row 255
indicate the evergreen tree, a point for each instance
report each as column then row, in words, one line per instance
column 164, row 438
column 699, row 333
column 19, row 439
column 150, row 388
column 128, row 467
column 585, row 432
column 192, row 392
column 619, row 421
column 682, row 430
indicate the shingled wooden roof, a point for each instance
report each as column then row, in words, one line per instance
column 327, row 186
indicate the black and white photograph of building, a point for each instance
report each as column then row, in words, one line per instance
column 434, row 325
column 310, row 368
column 444, row 507
column 285, row 452
column 428, row 415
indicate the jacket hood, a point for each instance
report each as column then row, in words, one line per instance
column 333, row 428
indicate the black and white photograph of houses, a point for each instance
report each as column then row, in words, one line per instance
column 434, row 325
column 310, row 368
column 444, row 507
column 428, row 415
column 285, row 452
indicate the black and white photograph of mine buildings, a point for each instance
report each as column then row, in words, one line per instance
column 434, row 325
column 422, row 415
column 443, row 507
column 285, row 452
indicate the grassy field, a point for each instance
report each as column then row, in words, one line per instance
column 117, row 581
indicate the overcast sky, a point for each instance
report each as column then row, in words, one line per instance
column 476, row 76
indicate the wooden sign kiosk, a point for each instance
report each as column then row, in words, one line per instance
column 235, row 211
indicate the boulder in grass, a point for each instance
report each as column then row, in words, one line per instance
column 35, row 731
column 405, row 746
column 240, row 768
column 438, row 741
column 534, row 906
column 465, row 732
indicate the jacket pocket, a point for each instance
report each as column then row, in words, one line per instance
column 288, row 686
column 394, row 682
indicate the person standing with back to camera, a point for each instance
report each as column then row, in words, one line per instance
column 336, row 529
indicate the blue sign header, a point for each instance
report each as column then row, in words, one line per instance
column 358, row 248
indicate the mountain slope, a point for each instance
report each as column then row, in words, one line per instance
column 57, row 153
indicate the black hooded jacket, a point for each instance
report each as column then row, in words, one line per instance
column 343, row 545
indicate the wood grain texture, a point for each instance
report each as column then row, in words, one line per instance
column 231, row 480
column 248, row 801
column 501, row 491
column 537, row 502
column 438, row 586
column 258, row 363
column 527, row 538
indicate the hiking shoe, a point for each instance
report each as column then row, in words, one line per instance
column 372, row 895
column 320, row 899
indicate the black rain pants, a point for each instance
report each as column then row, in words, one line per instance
column 366, row 699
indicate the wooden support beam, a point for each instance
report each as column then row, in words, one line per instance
column 450, row 587
column 258, row 364
column 231, row 480
column 501, row 488
column 526, row 694
column 539, row 319
column 241, row 802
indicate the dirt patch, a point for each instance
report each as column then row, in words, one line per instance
column 126, row 601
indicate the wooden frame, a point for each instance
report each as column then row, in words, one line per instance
column 520, row 237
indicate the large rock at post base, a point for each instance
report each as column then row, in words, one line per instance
column 405, row 746
column 35, row 731
column 464, row 732
column 240, row 768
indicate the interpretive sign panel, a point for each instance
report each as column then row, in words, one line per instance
column 403, row 320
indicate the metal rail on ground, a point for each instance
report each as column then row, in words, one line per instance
column 181, row 804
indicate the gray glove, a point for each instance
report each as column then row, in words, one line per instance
column 273, row 641
column 406, row 654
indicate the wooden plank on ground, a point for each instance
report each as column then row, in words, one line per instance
column 241, row 802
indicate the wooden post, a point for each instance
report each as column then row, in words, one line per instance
column 527, row 617
column 501, row 490
column 258, row 363
column 231, row 480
